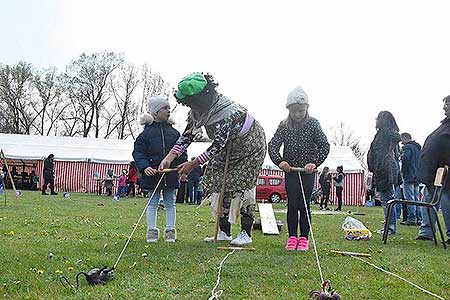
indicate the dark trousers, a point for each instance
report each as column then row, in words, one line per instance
column 325, row 199
column 182, row 193
column 339, row 190
column 296, row 204
column 48, row 181
column 247, row 215
column 131, row 189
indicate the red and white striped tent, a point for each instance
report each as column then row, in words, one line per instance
column 76, row 159
column 355, row 184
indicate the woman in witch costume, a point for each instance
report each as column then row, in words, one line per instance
column 237, row 137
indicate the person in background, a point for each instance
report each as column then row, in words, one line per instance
column 132, row 179
column 410, row 162
column 109, row 182
column 200, row 190
column 122, row 189
column 325, row 185
column 49, row 175
column 339, row 181
column 435, row 154
column 34, row 180
column 193, row 181
column 382, row 162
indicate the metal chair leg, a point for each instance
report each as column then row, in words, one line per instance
column 433, row 229
column 439, row 227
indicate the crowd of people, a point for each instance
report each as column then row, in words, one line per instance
column 23, row 180
column 398, row 171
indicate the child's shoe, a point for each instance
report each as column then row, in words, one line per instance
column 170, row 235
column 291, row 243
column 303, row 244
column 152, row 235
column 221, row 236
column 242, row 239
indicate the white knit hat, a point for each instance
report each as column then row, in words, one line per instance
column 155, row 103
column 297, row 96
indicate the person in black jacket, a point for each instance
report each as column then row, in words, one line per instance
column 150, row 147
column 410, row 161
column 435, row 154
column 382, row 161
column 304, row 145
column 49, row 175
column 325, row 186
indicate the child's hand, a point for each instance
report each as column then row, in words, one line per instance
column 183, row 177
column 309, row 168
column 165, row 163
column 149, row 171
column 285, row 166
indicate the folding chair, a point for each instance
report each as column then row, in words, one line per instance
column 439, row 185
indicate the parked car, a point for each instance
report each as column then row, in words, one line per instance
column 271, row 187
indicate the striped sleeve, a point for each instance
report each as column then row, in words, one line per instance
column 184, row 140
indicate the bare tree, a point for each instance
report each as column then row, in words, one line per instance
column 121, row 117
column 86, row 82
column 50, row 103
column 342, row 135
column 15, row 96
column 152, row 84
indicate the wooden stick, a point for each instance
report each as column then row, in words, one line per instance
column 2, row 155
column 168, row 170
column 236, row 248
column 346, row 253
column 222, row 192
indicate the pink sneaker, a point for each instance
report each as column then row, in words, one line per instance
column 303, row 244
column 291, row 243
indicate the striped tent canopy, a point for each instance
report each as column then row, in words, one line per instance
column 36, row 147
column 78, row 160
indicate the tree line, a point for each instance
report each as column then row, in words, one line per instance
column 98, row 95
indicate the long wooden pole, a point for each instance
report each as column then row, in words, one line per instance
column 2, row 156
column 222, row 192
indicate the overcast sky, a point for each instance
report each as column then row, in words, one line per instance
column 353, row 58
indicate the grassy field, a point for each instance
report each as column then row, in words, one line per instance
column 82, row 234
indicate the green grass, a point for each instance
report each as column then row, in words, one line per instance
column 82, row 234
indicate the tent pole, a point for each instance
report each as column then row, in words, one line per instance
column 2, row 156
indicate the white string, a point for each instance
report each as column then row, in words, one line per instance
column 399, row 277
column 310, row 228
column 216, row 294
column 138, row 221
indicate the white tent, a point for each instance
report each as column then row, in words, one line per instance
column 36, row 147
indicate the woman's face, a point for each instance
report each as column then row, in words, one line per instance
column 447, row 108
column 297, row 112
column 163, row 114
column 378, row 121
